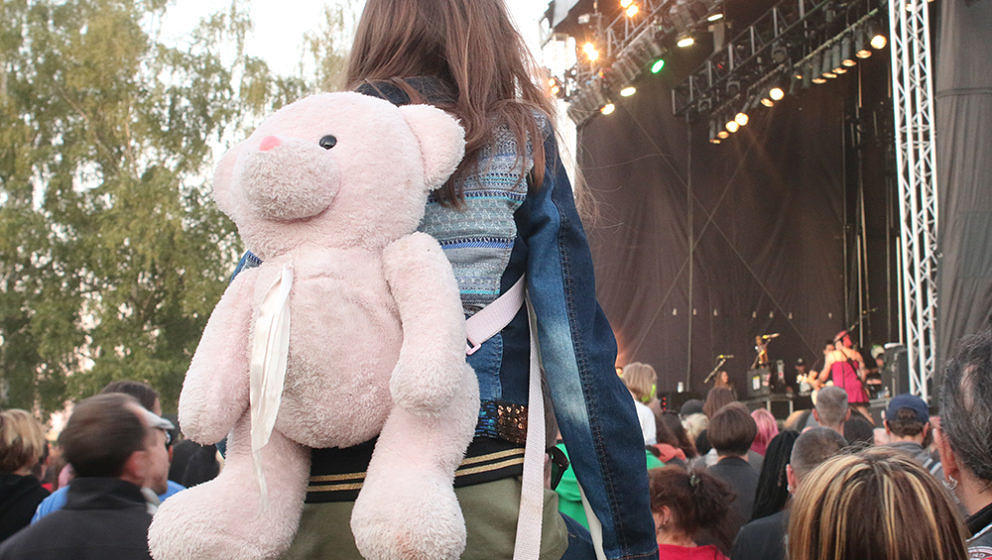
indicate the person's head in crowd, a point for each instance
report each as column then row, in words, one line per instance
column 844, row 337
column 22, row 442
column 674, row 424
column 831, row 409
column 732, row 431
column 717, row 398
column 878, row 503
column 641, row 380
column 859, row 432
column 684, row 503
column 767, row 429
column 810, row 450
column 801, row 367
column 142, row 392
column 907, row 418
column 965, row 441
column 193, row 463
column 878, row 354
column 690, row 407
column 111, row 435
column 695, row 426
column 773, row 482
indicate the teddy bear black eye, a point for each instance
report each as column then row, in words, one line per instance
column 328, row 142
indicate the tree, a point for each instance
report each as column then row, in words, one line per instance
column 112, row 254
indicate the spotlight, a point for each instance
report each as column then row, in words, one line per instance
column 732, row 126
column 608, row 109
column 628, row 91
column 863, row 53
column 626, row 3
column 767, row 102
column 685, row 41
column 836, row 59
column 878, row 41
column 830, row 75
column 715, row 140
column 632, row 10
column 776, row 93
column 846, row 60
column 819, row 80
column 658, row 66
column 591, row 52
column 715, row 17
column 723, row 134
column 741, row 119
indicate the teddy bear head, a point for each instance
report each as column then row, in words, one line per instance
column 336, row 170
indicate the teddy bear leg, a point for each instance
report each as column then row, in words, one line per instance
column 407, row 506
column 225, row 518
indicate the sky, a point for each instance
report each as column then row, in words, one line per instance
column 279, row 25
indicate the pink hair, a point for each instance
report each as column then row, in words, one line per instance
column 767, row 429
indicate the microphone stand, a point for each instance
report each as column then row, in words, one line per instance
column 716, row 369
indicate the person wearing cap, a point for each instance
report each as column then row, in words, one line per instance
column 907, row 423
column 118, row 450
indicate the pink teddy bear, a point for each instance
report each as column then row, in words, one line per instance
column 352, row 327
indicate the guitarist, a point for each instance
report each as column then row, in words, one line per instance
column 845, row 366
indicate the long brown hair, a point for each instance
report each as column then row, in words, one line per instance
column 874, row 504
column 470, row 45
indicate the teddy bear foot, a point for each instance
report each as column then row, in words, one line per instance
column 414, row 517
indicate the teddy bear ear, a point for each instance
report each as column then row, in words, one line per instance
column 442, row 141
column 224, row 181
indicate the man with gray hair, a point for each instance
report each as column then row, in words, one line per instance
column 964, row 436
column 764, row 539
column 831, row 409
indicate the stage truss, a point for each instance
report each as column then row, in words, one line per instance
column 912, row 102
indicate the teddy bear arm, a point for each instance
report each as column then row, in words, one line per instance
column 433, row 350
column 215, row 392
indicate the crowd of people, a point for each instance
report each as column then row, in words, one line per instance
column 827, row 483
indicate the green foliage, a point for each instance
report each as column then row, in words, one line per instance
column 112, row 254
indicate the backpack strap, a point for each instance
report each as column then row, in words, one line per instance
column 492, row 318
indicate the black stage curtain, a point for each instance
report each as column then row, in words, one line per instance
column 767, row 229
column 964, row 166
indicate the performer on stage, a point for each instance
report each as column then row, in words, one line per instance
column 846, row 367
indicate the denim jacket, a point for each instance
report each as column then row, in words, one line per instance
column 594, row 411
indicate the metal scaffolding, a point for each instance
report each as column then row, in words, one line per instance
column 912, row 101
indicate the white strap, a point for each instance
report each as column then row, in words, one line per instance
column 595, row 527
column 492, row 318
column 267, row 374
column 528, row 541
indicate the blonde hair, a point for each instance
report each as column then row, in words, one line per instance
column 640, row 378
column 877, row 504
column 22, row 440
column 694, row 424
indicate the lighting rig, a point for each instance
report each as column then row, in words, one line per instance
column 635, row 43
column 792, row 46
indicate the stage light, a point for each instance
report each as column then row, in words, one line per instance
column 846, row 60
column 741, row 119
column 715, row 140
column 628, row 91
column 632, row 10
column 732, row 126
column 840, row 70
column 715, row 17
column 863, row 53
column 878, row 41
column 836, row 60
column 608, row 109
column 830, row 75
column 591, row 52
column 723, row 134
column 685, row 41
column 819, row 80
column 658, row 66
column 626, row 3
column 767, row 102
column 776, row 93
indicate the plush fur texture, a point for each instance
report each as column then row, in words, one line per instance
column 376, row 345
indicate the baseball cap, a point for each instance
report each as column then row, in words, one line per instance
column 906, row 400
column 691, row 406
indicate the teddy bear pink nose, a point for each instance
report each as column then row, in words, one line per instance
column 268, row 143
